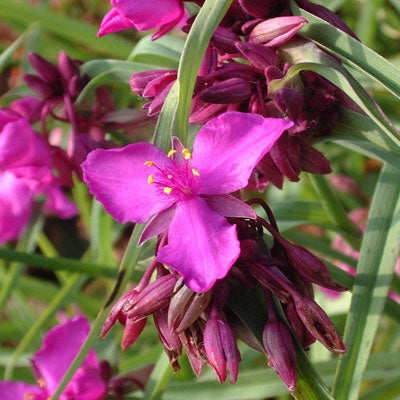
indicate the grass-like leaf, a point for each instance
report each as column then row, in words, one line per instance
column 379, row 252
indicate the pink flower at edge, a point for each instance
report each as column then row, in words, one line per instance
column 188, row 195
column 26, row 171
column 59, row 348
column 142, row 15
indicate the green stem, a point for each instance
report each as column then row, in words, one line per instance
column 125, row 272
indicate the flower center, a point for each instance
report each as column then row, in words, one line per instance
column 178, row 179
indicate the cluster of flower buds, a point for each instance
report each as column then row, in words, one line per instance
column 206, row 325
column 34, row 164
column 252, row 49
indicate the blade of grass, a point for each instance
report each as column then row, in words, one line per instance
column 379, row 252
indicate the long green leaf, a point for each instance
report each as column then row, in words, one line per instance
column 379, row 252
column 349, row 50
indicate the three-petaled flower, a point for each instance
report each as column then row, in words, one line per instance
column 187, row 194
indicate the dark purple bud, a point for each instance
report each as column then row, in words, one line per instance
column 274, row 32
column 300, row 331
column 285, row 153
column 203, row 112
column 234, row 90
column 314, row 161
column 117, row 312
column 152, row 298
column 273, row 280
column 266, row 171
column 46, row 70
column 140, row 80
column 224, row 39
column 289, row 101
column 156, row 104
column 196, row 307
column 262, row 8
column 193, row 341
column 309, row 266
column 178, row 305
column 39, row 86
column 259, row 56
column 132, row 331
column 221, row 349
column 170, row 340
column 279, row 346
column 68, row 68
column 271, row 73
column 232, row 70
column 319, row 325
column 157, row 85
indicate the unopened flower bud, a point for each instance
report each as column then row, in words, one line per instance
column 132, row 331
column 224, row 39
column 259, row 56
column 274, row 32
column 319, row 324
column 46, row 70
column 41, row 87
column 262, row 8
column 221, row 348
column 170, row 340
column 279, row 346
column 155, row 296
column 309, row 266
column 68, row 68
column 234, row 90
column 289, row 101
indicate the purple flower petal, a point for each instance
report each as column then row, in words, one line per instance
column 229, row 206
column 158, row 224
column 21, row 146
column 146, row 15
column 59, row 347
column 16, row 203
column 228, row 147
column 21, row 391
column 114, row 22
column 202, row 246
column 118, row 178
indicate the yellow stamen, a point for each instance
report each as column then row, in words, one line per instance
column 167, row 190
column 195, row 173
column 171, row 153
column 150, row 179
column 186, row 154
column 28, row 396
column 41, row 382
column 149, row 163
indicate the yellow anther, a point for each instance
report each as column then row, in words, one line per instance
column 195, row 173
column 186, row 154
column 150, row 179
column 169, row 176
column 149, row 163
column 28, row 396
column 41, row 382
column 167, row 190
column 171, row 153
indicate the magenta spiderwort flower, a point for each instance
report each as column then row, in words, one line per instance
column 60, row 346
column 187, row 194
column 26, row 171
column 142, row 15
